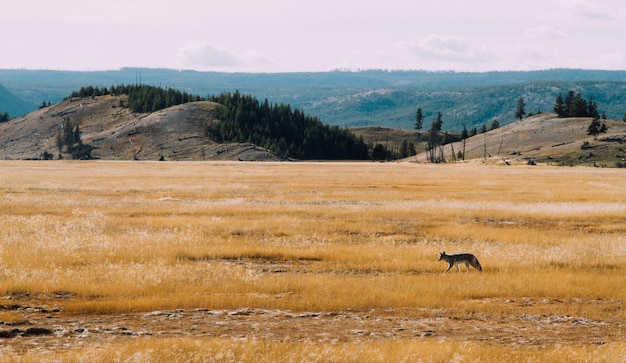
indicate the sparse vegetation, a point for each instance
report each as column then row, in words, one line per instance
column 310, row 262
column 68, row 139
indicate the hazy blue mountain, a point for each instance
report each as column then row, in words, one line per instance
column 13, row 104
column 374, row 97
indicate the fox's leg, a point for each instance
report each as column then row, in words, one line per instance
column 449, row 267
column 458, row 268
column 467, row 266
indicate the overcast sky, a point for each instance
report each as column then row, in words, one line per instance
column 320, row 35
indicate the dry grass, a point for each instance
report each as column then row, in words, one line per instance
column 224, row 350
column 112, row 237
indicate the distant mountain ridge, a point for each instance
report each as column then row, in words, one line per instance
column 13, row 104
column 364, row 98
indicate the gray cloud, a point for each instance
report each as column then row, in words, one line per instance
column 447, row 48
column 205, row 56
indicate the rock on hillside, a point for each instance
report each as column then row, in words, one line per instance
column 115, row 133
column 545, row 138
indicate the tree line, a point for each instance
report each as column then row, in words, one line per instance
column 287, row 133
column 141, row 98
column 574, row 105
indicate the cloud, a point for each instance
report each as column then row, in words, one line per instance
column 592, row 10
column 544, row 32
column 447, row 49
column 204, row 56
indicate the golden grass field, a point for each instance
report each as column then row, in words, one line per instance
column 315, row 262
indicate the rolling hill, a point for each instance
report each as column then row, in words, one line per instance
column 545, row 139
column 115, row 133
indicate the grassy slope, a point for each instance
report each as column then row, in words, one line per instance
column 176, row 133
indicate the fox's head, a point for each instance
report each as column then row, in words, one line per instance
column 441, row 254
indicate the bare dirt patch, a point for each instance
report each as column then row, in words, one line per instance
column 52, row 329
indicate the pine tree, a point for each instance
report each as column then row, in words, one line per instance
column 580, row 107
column 404, row 149
column 596, row 128
column 559, row 106
column 569, row 104
column 435, row 140
column 419, row 119
column 519, row 109
column 412, row 150
column 379, row 152
column 495, row 124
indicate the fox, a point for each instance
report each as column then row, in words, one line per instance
column 466, row 259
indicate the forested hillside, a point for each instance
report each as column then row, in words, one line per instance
column 469, row 106
column 290, row 134
column 375, row 97
column 243, row 119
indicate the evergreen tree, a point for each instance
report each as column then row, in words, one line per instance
column 519, row 109
column 412, row 150
column 419, row 119
column 580, row 107
column 439, row 121
column 435, row 139
column 596, row 127
column 464, row 137
column 379, row 153
column 495, row 125
column 69, row 139
column 559, row 106
column 569, row 104
column 404, row 149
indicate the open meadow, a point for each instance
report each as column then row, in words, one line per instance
column 310, row 262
